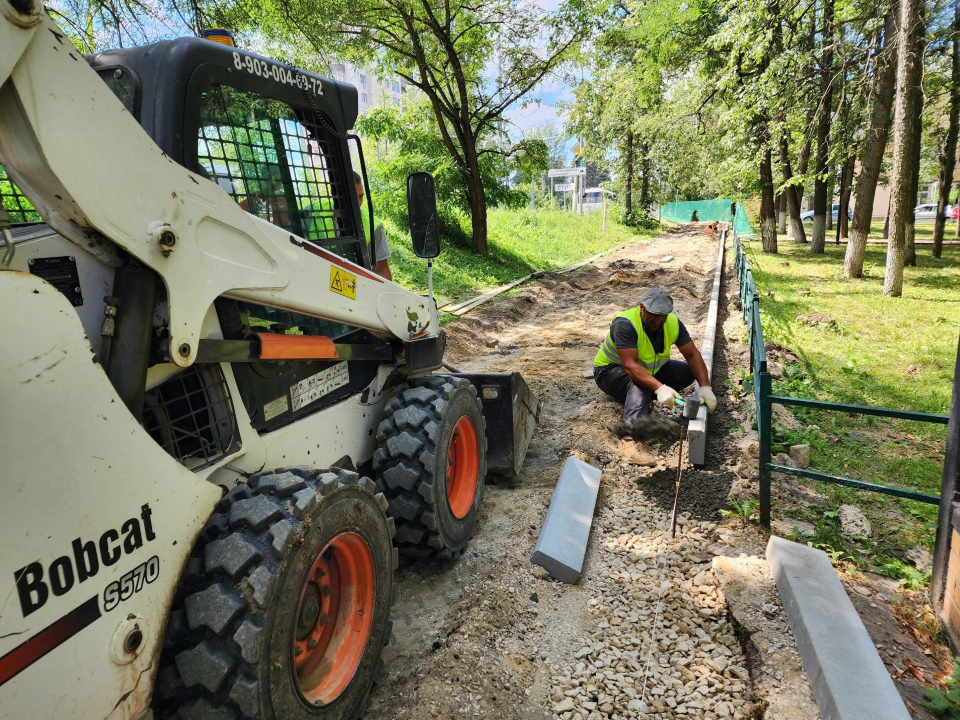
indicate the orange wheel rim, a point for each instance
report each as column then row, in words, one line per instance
column 463, row 467
column 333, row 619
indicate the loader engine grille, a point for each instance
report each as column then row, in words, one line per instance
column 191, row 416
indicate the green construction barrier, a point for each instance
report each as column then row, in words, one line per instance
column 741, row 224
column 707, row 211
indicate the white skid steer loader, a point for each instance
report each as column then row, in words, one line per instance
column 199, row 373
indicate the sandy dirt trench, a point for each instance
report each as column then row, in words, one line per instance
column 490, row 635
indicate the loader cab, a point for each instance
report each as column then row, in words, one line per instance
column 273, row 137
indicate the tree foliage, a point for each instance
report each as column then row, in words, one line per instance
column 414, row 144
column 471, row 61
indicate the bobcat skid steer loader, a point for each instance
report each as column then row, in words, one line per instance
column 199, row 373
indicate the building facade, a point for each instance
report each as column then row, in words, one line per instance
column 372, row 90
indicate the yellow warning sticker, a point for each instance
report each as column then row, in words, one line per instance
column 343, row 283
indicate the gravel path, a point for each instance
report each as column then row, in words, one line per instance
column 492, row 636
column 661, row 646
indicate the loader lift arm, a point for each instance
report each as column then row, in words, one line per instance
column 187, row 229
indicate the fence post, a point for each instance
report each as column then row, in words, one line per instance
column 765, row 428
column 948, row 492
column 604, row 219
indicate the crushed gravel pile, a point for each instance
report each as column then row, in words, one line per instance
column 661, row 647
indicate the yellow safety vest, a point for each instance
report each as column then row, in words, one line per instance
column 646, row 355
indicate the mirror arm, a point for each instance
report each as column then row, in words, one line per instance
column 366, row 186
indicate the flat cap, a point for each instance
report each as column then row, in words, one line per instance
column 658, row 301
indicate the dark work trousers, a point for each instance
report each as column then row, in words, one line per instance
column 615, row 382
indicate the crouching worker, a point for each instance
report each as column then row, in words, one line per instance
column 633, row 364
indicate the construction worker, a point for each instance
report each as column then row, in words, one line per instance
column 633, row 364
column 380, row 235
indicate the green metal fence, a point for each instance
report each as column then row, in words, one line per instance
column 763, row 393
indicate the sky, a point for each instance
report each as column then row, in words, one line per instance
column 524, row 118
column 552, row 91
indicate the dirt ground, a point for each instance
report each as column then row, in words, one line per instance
column 492, row 636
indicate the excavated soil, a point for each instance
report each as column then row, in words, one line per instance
column 490, row 635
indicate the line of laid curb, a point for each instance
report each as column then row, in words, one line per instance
column 697, row 431
column 850, row 681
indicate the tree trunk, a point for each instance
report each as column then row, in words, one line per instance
column 793, row 202
column 803, row 157
column 830, row 195
column 846, row 178
column 781, row 202
column 478, row 211
column 948, row 158
column 820, row 201
column 903, row 197
column 874, row 146
column 628, row 172
column 909, row 245
column 645, row 175
column 768, row 217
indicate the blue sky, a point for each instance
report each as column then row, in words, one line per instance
column 553, row 90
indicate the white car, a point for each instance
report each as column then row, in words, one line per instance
column 928, row 212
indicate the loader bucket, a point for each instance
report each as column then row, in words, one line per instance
column 511, row 412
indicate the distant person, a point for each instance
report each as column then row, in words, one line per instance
column 633, row 364
column 694, row 217
column 379, row 234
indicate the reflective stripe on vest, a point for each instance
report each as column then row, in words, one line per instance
column 651, row 360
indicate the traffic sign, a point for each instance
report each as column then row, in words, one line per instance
column 562, row 187
column 567, row 172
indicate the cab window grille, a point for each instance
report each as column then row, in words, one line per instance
column 191, row 416
column 278, row 163
column 15, row 203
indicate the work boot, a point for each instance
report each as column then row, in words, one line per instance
column 636, row 453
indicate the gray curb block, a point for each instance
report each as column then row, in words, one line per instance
column 697, row 432
column 562, row 543
column 850, row 681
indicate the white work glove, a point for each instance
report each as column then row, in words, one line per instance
column 666, row 394
column 708, row 398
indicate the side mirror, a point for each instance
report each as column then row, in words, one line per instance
column 422, row 208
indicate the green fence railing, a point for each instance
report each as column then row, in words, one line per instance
column 766, row 399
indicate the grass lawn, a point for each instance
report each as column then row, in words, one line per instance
column 520, row 241
column 923, row 231
column 890, row 352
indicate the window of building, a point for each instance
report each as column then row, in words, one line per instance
column 396, row 86
column 396, row 101
column 363, row 97
column 338, row 76
column 363, row 80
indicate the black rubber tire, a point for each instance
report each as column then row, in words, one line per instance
column 227, row 653
column 411, row 464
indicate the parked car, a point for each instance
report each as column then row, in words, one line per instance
column 807, row 217
column 928, row 212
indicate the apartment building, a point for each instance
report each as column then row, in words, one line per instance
column 372, row 90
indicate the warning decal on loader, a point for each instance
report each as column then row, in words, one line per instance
column 316, row 386
column 343, row 283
